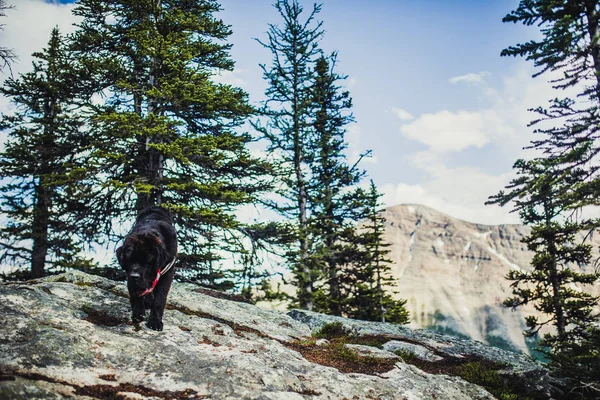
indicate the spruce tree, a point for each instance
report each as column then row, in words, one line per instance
column 167, row 134
column 39, row 167
column 288, row 114
column 334, row 200
column 368, row 280
column 541, row 196
column 569, row 51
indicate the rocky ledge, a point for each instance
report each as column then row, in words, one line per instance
column 70, row 336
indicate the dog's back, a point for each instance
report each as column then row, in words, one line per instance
column 155, row 213
column 157, row 221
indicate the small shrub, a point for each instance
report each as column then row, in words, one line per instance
column 486, row 375
column 406, row 356
column 332, row 330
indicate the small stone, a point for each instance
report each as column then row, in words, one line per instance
column 322, row 342
column 369, row 351
column 420, row 352
column 130, row 396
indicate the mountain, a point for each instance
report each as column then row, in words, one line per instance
column 452, row 273
column 70, row 336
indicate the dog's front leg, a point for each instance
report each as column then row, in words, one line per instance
column 160, row 301
column 138, row 312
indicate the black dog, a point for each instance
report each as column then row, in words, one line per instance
column 147, row 255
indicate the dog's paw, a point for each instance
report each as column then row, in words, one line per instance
column 136, row 319
column 155, row 324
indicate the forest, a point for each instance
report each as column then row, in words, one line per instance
column 125, row 113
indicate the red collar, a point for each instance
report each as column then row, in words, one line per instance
column 158, row 275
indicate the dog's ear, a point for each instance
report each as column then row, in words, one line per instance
column 158, row 249
column 156, row 239
column 120, row 255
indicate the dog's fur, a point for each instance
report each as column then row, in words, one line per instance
column 151, row 244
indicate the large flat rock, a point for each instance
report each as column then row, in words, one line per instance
column 69, row 336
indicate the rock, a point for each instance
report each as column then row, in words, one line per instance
column 528, row 373
column 369, row 351
column 322, row 342
column 421, row 352
column 69, row 336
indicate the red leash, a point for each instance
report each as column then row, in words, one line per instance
column 158, row 275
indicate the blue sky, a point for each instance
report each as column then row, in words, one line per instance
column 444, row 114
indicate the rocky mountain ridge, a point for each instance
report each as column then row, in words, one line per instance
column 69, row 336
column 452, row 273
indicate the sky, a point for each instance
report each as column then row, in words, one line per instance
column 444, row 115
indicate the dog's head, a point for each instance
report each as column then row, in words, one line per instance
column 140, row 256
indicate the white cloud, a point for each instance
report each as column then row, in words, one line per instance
column 27, row 30
column 470, row 79
column 501, row 120
column 499, row 124
column 28, row 26
column 402, row 114
column 460, row 192
column 446, row 131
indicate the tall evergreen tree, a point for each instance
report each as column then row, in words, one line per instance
column 168, row 134
column 334, row 201
column 569, row 50
column 541, row 196
column 42, row 158
column 294, row 46
column 307, row 113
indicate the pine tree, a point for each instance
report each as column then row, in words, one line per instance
column 541, row 196
column 332, row 193
column 294, row 47
column 569, row 51
column 167, row 134
column 368, row 279
column 40, row 165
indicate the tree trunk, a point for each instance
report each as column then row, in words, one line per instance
column 552, row 250
column 155, row 158
column 335, row 301
column 556, row 299
column 335, row 296
column 380, row 293
column 306, row 299
column 560, row 315
column 150, row 162
column 143, row 199
column 42, row 198
column 39, row 230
